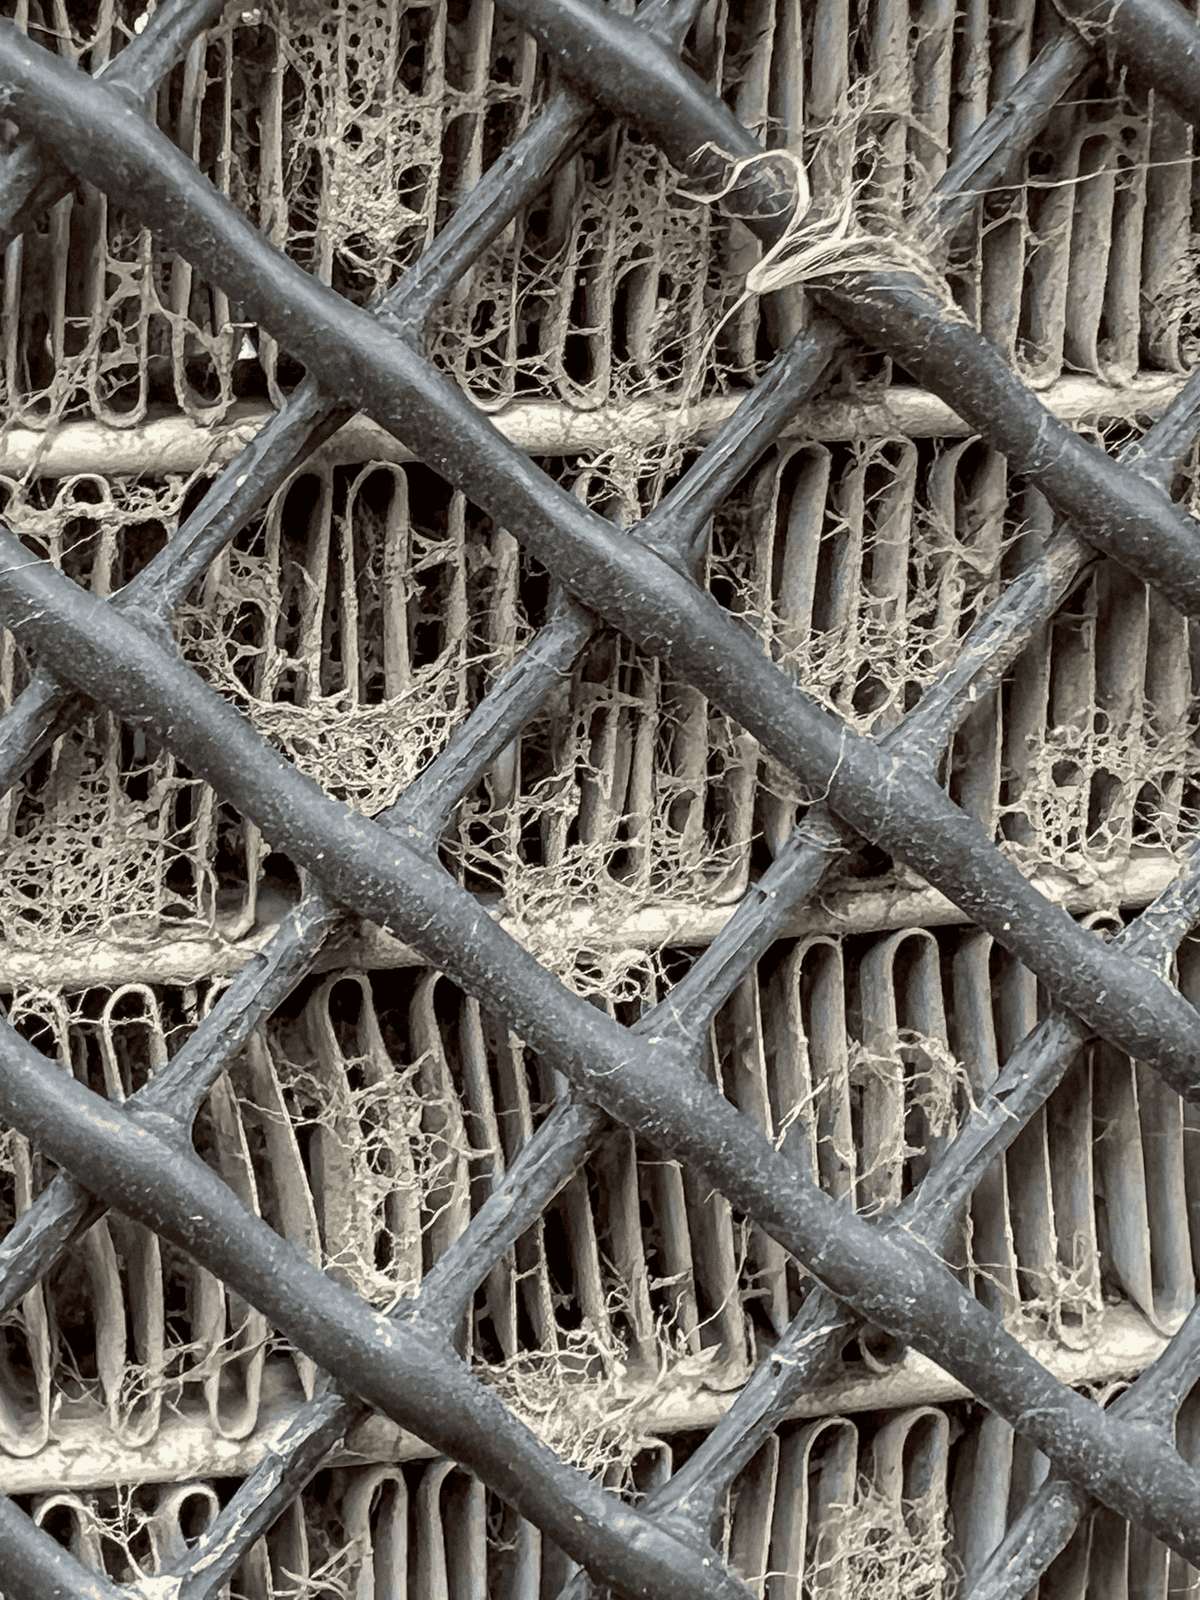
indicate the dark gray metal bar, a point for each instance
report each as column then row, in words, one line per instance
column 650, row 1085
column 669, row 554
column 408, row 1370
column 813, row 1341
column 640, row 589
column 1159, row 39
column 1054, row 1511
column 31, row 177
column 63, row 1211
column 36, row 1567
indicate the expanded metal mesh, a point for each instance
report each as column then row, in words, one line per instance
column 856, row 760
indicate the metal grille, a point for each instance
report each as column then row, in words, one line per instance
column 891, row 1278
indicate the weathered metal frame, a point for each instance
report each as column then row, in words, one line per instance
column 138, row 1156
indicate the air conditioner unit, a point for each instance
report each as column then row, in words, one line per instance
column 362, row 615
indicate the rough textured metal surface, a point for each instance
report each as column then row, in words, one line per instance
column 745, row 1102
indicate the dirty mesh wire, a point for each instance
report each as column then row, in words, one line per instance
column 852, row 766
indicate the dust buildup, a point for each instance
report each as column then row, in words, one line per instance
column 106, row 836
column 97, row 860
column 348, row 134
column 888, row 1551
column 895, row 553
column 386, row 1171
column 1090, row 792
column 934, row 1090
column 363, row 86
column 584, row 848
column 371, row 607
column 364, row 754
column 1175, row 309
column 604, row 303
column 350, row 625
column 69, row 1349
column 574, row 1400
